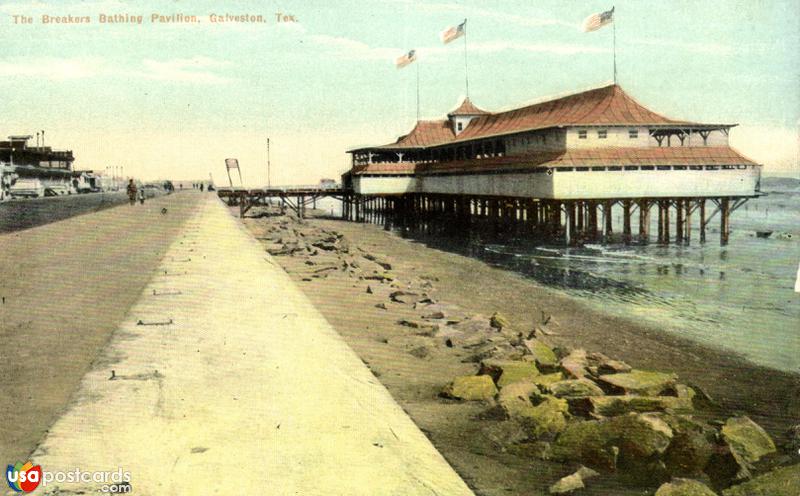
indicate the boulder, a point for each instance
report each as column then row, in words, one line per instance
column 567, row 484
column 609, row 406
column 641, row 382
column 692, row 446
column 548, row 417
column 505, row 433
column 573, row 482
column 471, row 388
column 783, row 481
column 506, row 372
column 747, row 439
column 498, row 321
column 684, row 487
column 547, row 379
column 402, row 296
column 544, row 357
column 574, row 388
column 629, row 440
column 515, row 399
column 575, row 364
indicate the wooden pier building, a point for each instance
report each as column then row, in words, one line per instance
column 559, row 167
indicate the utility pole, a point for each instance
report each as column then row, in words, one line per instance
column 269, row 181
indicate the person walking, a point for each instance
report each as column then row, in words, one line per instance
column 141, row 196
column 132, row 192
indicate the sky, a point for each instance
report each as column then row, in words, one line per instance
column 173, row 100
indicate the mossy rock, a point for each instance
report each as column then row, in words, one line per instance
column 692, row 446
column 610, row 406
column 499, row 321
column 684, row 487
column 515, row 399
column 575, row 388
column 547, row 379
column 471, row 388
column 544, row 356
column 747, row 439
column 784, row 481
column 505, row 372
column 548, row 417
column 640, row 382
column 629, row 440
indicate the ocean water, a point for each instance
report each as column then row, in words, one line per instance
column 738, row 297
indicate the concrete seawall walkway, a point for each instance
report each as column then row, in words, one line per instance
column 228, row 381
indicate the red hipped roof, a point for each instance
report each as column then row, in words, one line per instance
column 608, row 105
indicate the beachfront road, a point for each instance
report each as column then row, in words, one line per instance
column 224, row 379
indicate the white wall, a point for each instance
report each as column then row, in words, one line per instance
column 655, row 183
column 367, row 185
column 617, row 137
column 546, row 140
column 522, row 184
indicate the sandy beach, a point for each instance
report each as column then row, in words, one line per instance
column 65, row 288
column 415, row 368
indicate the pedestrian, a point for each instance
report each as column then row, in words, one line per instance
column 132, row 192
column 201, row 187
column 141, row 196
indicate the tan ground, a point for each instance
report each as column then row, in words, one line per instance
column 67, row 285
column 457, row 429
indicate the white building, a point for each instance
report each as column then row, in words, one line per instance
column 599, row 144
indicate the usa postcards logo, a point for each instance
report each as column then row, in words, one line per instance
column 24, row 478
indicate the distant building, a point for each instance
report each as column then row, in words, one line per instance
column 596, row 144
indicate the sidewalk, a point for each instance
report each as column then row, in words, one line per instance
column 235, row 384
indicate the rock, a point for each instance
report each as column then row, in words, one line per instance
column 498, row 321
column 567, row 484
column 426, row 328
column 692, row 446
column 545, row 358
column 402, row 296
column 515, row 399
column 547, row 379
column 548, row 417
column 324, row 245
column 434, row 316
column 684, row 487
column 609, row 406
column 641, row 382
column 792, row 439
column 420, row 352
column 747, row 439
column 609, row 366
column 574, row 388
column 573, row 482
column 380, row 261
column 381, row 305
column 575, row 364
column 726, row 467
column 627, row 440
column 784, row 481
column 505, row 433
column 505, row 372
column 369, row 290
column 471, row 388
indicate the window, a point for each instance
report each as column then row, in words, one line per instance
column 581, row 169
column 631, row 167
column 633, row 133
column 582, row 134
column 615, row 168
column 460, row 126
column 602, row 134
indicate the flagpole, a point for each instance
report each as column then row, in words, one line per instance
column 614, row 36
column 417, row 64
column 466, row 71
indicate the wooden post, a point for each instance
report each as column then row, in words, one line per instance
column 661, row 221
column 702, row 220
column 666, row 222
column 607, row 221
column 687, row 237
column 570, row 230
column 725, row 226
column 644, row 221
column 678, row 221
column 626, row 221
column 593, row 220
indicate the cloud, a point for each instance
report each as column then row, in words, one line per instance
column 51, row 68
column 191, row 70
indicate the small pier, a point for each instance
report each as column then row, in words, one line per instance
column 295, row 198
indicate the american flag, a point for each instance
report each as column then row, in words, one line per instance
column 597, row 21
column 453, row 32
column 406, row 59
